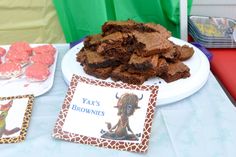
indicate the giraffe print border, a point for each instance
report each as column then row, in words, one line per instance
column 26, row 119
column 100, row 142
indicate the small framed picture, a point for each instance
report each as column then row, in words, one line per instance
column 107, row 114
column 15, row 113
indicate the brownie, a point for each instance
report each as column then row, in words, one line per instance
column 185, row 51
column 142, row 63
column 162, row 67
column 115, row 45
column 172, row 54
column 130, row 26
column 133, row 52
column 158, row 69
column 91, row 42
column 120, row 74
column 81, row 56
column 102, row 73
column 114, row 37
column 158, row 28
column 176, row 71
column 96, row 60
column 108, row 45
column 118, row 26
column 146, row 74
column 150, row 43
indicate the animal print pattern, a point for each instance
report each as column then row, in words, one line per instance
column 121, row 145
column 26, row 119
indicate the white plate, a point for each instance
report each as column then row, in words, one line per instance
column 168, row 92
column 23, row 87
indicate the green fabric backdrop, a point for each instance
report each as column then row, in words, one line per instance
column 79, row 18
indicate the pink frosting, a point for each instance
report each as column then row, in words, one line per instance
column 43, row 59
column 44, row 49
column 9, row 67
column 37, row 72
column 17, row 56
column 2, row 51
column 21, row 46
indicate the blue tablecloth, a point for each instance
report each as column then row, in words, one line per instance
column 202, row 125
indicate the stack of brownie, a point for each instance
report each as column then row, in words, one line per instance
column 133, row 52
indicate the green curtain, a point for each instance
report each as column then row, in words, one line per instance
column 79, row 18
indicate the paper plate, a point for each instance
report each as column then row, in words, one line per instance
column 168, row 92
column 23, row 87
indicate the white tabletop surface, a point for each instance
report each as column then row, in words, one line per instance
column 202, row 125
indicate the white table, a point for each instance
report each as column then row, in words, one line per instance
column 202, row 125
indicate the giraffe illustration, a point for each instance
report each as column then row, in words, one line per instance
column 4, row 109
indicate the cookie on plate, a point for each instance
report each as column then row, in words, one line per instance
column 9, row 70
column 44, row 49
column 21, row 46
column 43, row 59
column 37, row 72
column 17, row 56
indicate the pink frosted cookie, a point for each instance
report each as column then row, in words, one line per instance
column 44, row 49
column 2, row 52
column 9, row 70
column 37, row 72
column 16, row 56
column 43, row 59
column 22, row 46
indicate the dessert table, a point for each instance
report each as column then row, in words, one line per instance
column 202, row 124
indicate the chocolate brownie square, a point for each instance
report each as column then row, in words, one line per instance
column 118, row 26
column 149, row 44
column 162, row 67
column 91, row 42
column 130, row 25
column 120, row 74
column 172, row 54
column 95, row 60
column 146, row 74
column 113, row 45
column 81, row 56
column 176, row 71
column 158, row 69
column 143, row 63
column 158, row 28
column 102, row 73
column 117, row 45
column 185, row 51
